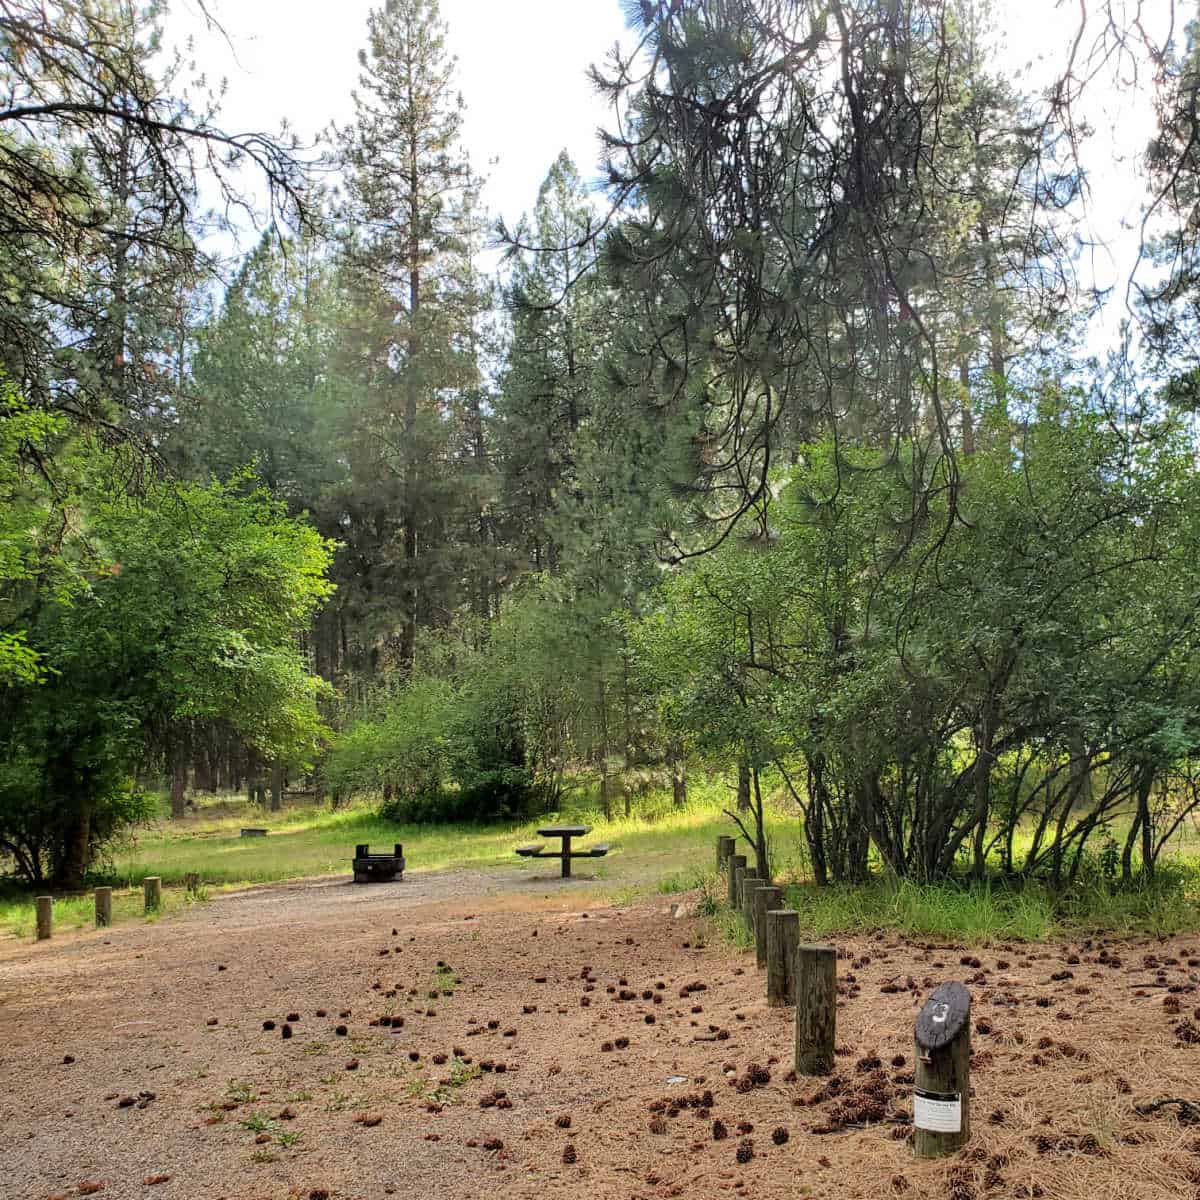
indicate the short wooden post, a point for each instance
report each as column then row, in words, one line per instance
column 191, row 883
column 725, row 846
column 942, row 1083
column 765, row 899
column 45, row 917
column 816, row 1009
column 152, row 893
column 103, row 907
column 750, row 881
column 737, row 864
column 783, row 937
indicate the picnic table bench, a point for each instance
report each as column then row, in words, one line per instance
column 378, row 868
column 565, row 833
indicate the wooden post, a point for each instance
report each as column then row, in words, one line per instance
column 765, row 899
column 737, row 864
column 816, row 1009
column 45, row 917
column 942, row 1084
column 725, row 845
column 103, row 907
column 750, row 881
column 783, row 937
column 152, row 892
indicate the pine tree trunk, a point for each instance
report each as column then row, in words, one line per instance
column 743, row 784
column 77, row 848
column 968, row 418
column 679, row 783
column 178, row 787
column 277, row 785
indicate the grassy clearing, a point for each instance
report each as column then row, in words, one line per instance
column 78, row 912
column 655, row 839
column 658, row 849
column 656, row 842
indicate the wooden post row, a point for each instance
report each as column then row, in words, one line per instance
column 766, row 898
column 737, row 864
column 816, row 1009
column 103, row 907
column 152, row 893
column 942, row 1080
column 45, row 917
column 783, row 937
column 725, row 846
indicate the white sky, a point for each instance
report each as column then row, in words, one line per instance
column 521, row 68
column 522, row 71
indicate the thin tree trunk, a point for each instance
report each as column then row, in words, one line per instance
column 178, row 786
column 277, row 785
column 77, row 848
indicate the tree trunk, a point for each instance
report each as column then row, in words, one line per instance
column 760, row 830
column 968, row 418
column 679, row 783
column 178, row 787
column 743, row 783
column 77, row 848
column 1145, row 787
column 277, row 785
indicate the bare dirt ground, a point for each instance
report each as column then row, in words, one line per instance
column 589, row 1062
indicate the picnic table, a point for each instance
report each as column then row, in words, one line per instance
column 565, row 833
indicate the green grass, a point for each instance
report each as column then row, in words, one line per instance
column 656, row 842
column 79, row 912
column 318, row 841
column 658, row 850
column 997, row 912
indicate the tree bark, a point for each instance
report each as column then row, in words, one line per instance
column 178, row 787
column 277, row 785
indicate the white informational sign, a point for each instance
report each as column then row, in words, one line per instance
column 938, row 1112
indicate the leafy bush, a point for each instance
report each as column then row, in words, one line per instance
column 995, row 677
column 437, row 753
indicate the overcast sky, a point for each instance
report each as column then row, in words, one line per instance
column 522, row 69
column 521, row 66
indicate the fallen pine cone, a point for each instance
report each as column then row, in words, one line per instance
column 569, row 1155
column 369, row 1120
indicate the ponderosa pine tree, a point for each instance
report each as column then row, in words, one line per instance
column 97, row 189
column 558, row 328
column 407, row 347
column 1171, row 303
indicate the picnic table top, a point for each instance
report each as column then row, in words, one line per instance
column 565, row 831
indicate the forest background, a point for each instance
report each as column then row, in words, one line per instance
column 786, row 450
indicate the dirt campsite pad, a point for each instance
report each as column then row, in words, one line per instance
column 462, row 1036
